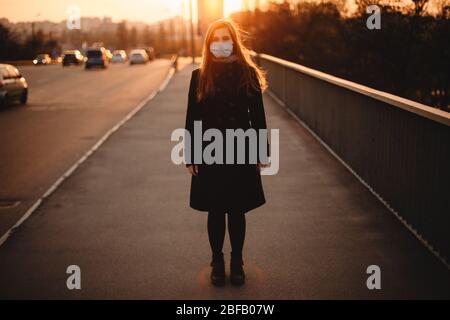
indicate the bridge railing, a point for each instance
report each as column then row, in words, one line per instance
column 398, row 148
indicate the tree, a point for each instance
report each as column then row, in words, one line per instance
column 122, row 35
column 408, row 56
column 419, row 6
column 9, row 43
column 147, row 37
column 133, row 37
column 162, row 38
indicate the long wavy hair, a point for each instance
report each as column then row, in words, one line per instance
column 205, row 85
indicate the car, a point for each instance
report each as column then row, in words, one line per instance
column 42, row 59
column 96, row 57
column 119, row 56
column 109, row 54
column 138, row 56
column 72, row 57
column 13, row 85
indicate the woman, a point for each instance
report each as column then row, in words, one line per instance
column 226, row 93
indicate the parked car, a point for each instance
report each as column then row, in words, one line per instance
column 138, row 56
column 119, row 56
column 72, row 57
column 96, row 57
column 108, row 55
column 42, row 59
column 13, row 85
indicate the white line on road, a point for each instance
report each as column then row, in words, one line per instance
column 56, row 184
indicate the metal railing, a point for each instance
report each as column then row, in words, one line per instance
column 398, row 148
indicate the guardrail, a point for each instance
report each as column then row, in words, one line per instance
column 398, row 148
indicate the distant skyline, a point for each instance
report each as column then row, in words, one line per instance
column 56, row 10
column 134, row 10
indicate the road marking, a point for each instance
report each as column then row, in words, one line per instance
column 364, row 183
column 102, row 140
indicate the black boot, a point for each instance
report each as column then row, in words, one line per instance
column 237, row 274
column 218, row 271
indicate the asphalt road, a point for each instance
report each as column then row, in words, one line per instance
column 123, row 218
column 69, row 109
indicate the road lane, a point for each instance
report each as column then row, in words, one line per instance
column 69, row 109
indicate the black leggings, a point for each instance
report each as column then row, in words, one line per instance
column 216, row 233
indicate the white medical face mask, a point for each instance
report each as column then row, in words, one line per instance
column 221, row 49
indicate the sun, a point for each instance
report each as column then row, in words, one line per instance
column 230, row 6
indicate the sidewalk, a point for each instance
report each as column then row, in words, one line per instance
column 123, row 217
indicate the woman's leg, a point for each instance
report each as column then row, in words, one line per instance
column 236, row 230
column 216, row 233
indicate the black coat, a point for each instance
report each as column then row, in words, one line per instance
column 229, row 187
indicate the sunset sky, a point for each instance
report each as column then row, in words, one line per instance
column 136, row 10
column 133, row 10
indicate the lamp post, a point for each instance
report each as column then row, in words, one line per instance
column 33, row 23
column 192, row 31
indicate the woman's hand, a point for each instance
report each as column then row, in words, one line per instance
column 261, row 165
column 193, row 169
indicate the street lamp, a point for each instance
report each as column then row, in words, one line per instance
column 192, row 31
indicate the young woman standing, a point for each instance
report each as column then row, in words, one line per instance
column 225, row 92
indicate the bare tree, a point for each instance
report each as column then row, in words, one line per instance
column 420, row 6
